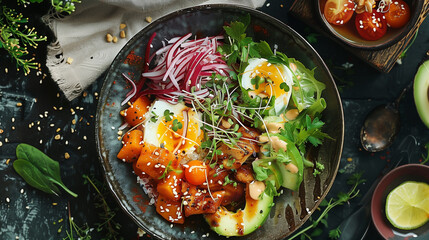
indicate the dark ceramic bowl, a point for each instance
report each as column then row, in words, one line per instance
column 348, row 35
column 408, row 172
column 290, row 211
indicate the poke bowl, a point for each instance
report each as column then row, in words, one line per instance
column 281, row 215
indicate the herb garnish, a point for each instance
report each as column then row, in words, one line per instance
column 16, row 36
column 109, row 227
column 168, row 115
column 342, row 198
column 176, row 125
column 39, row 170
column 426, row 158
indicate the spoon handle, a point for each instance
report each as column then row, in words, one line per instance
column 406, row 89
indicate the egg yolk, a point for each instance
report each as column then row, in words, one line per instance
column 171, row 139
column 269, row 72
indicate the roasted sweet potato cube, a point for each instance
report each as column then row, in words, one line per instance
column 171, row 186
column 153, row 160
column 197, row 201
column 132, row 147
column 170, row 210
column 135, row 113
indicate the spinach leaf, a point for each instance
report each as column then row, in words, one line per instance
column 39, row 170
column 34, row 177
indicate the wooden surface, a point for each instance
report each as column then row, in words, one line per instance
column 383, row 60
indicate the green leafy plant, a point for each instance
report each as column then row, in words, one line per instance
column 39, row 170
column 82, row 233
column 426, row 158
column 342, row 198
column 16, row 37
column 108, row 225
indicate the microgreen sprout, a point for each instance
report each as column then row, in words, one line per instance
column 176, row 125
column 168, row 115
column 154, row 117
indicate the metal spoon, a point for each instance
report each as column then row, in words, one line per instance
column 382, row 124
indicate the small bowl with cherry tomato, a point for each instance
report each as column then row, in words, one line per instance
column 369, row 24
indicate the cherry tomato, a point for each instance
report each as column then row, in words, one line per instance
column 371, row 26
column 195, row 172
column 338, row 12
column 398, row 14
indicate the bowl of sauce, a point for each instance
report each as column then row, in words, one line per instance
column 369, row 24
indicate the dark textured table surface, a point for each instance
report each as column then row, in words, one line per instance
column 33, row 111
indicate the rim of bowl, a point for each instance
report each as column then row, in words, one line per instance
column 113, row 186
column 391, row 41
column 379, row 192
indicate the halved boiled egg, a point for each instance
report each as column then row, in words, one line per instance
column 173, row 127
column 270, row 78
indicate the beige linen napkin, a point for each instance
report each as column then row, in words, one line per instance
column 81, row 53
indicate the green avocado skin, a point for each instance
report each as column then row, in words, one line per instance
column 225, row 222
column 421, row 92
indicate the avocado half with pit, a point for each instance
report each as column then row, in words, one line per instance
column 421, row 92
column 243, row 221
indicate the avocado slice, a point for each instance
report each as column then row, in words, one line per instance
column 421, row 92
column 243, row 221
column 290, row 180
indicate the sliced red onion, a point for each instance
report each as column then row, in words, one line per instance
column 182, row 64
column 130, row 94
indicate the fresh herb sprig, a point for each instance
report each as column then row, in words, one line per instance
column 81, row 233
column 106, row 215
column 355, row 180
column 39, row 170
column 108, row 226
column 241, row 47
column 60, row 6
column 16, row 37
column 426, row 158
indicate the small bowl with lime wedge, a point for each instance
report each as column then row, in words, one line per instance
column 400, row 203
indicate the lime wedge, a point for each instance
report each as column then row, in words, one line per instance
column 407, row 206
